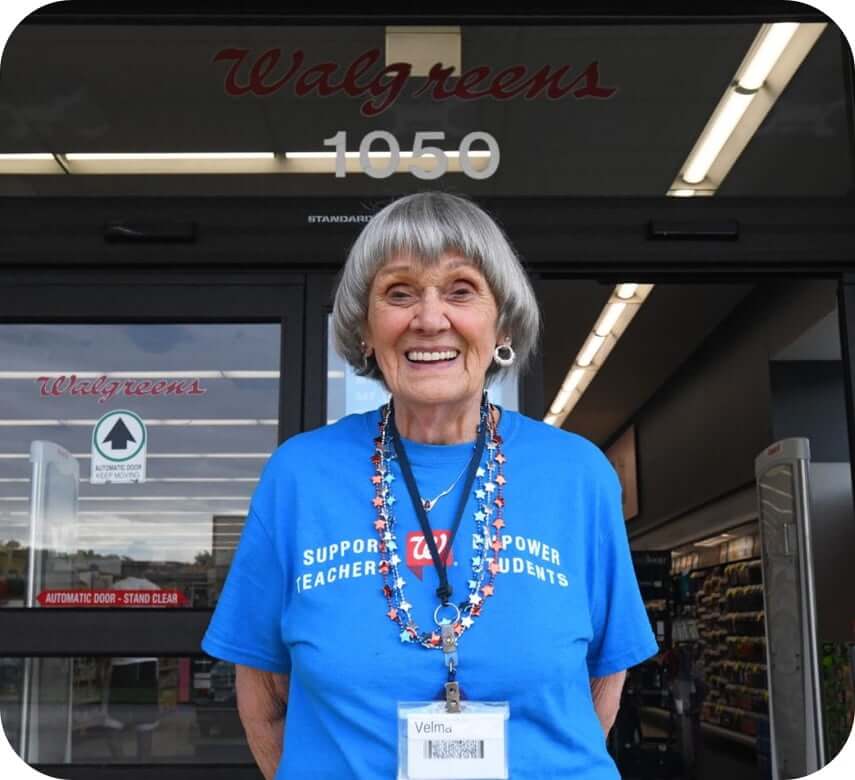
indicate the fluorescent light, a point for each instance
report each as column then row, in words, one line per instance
column 765, row 54
column 172, row 162
column 777, row 52
column 609, row 318
column 715, row 135
column 30, row 163
column 589, row 351
column 564, row 394
column 325, row 162
column 86, row 156
column 335, row 374
column 626, row 291
column 380, row 155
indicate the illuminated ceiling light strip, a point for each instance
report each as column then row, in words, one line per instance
column 162, row 455
column 381, row 155
column 325, row 162
column 30, row 163
column 84, row 422
column 131, row 156
column 720, row 128
column 767, row 49
column 622, row 306
column 774, row 56
column 166, row 163
column 225, row 374
column 121, row 513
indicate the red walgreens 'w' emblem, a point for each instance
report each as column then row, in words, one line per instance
column 418, row 552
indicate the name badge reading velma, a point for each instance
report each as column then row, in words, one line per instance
column 434, row 744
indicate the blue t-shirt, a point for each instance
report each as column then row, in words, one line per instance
column 304, row 597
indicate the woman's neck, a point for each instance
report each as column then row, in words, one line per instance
column 438, row 423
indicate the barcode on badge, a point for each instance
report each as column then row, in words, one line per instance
column 454, row 748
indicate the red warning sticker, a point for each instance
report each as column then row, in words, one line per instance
column 112, row 598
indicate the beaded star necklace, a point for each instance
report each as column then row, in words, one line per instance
column 486, row 541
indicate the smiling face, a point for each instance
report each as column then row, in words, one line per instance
column 432, row 329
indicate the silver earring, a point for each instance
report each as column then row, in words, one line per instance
column 366, row 353
column 504, row 355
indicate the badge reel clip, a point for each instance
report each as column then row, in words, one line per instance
column 464, row 740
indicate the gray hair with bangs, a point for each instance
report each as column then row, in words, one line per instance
column 426, row 226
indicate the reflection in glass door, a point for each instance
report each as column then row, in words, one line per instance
column 199, row 404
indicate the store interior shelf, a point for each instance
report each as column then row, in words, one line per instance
column 710, row 728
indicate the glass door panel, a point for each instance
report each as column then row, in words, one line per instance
column 198, row 402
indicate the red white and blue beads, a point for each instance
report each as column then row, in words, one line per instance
column 486, row 538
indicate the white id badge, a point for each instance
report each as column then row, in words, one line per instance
column 434, row 744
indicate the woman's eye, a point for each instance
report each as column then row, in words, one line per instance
column 399, row 294
column 462, row 291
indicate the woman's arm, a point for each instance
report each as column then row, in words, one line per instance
column 606, row 694
column 261, row 698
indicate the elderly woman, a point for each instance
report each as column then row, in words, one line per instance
column 438, row 546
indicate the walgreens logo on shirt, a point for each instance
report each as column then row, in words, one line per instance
column 418, row 552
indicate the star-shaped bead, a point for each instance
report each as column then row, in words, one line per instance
column 476, row 562
column 489, row 487
column 387, row 537
column 406, row 636
column 480, row 494
column 472, row 584
column 479, row 516
column 499, row 502
column 497, row 544
column 467, row 621
column 379, row 524
column 394, row 560
column 376, row 479
column 474, row 599
column 390, row 500
column 400, row 582
column 498, row 523
column 390, row 477
column 487, row 590
column 405, row 606
column 494, row 567
column 500, row 479
column 480, row 472
column 387, row 591
column 393, row 545
column 475, row 611
column 377, row 501
column 392, row 614
column 501, row 458
column 384, row 567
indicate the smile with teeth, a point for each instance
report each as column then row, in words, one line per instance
column 431, row 357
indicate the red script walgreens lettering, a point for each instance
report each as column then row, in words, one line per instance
column 263, row 75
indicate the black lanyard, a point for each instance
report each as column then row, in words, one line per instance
column 444, row 589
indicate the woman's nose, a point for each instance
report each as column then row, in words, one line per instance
column 430, row 313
